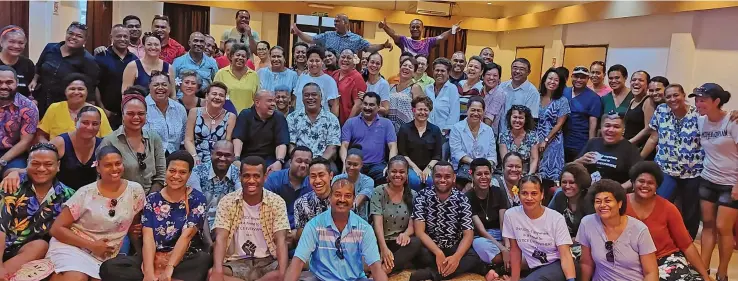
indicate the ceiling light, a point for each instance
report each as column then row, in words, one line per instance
column 489, row 3
column 321, row 6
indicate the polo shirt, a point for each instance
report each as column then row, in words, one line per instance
column 422, row 149
column 444, row 220
column 19, row 118
column 279, row 183
column 233, row 33
column 317, row 247
column 456, row 81
column 340, row 42
column 446, row 105
column 328, row 90
column 240, row 91
column 205, row 70
column 170, row 125
column 25, row 71
column 111, row 77
column 269, row 79
column 349, row 87
column 425, row 80
column 171, row 50
column 585, row 105
column 261, row 137
column 373, row 137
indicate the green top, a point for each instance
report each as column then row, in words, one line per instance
column 424, row 80
column 395, row 216
column 608, row 103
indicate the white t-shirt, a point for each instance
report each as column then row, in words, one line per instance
column 249, row 239
column 720, row 143
column 382, row 88
column 538, row 239
column 328, row 90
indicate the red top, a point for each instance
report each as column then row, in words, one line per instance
column 171, row 51
column 223, row 61
column 349, row 87
column 666, row 226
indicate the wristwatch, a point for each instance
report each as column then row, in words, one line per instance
column 3, row 163
column 281, row 160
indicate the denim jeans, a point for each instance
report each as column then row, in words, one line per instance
column 413, row 179
column 685, row 194
column 375, row 171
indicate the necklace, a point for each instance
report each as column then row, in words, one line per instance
column 485, row 206
column 212, row 119
column 73, row 115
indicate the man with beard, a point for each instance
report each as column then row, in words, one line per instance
column 341, row 39
column 292, row 183
column 170, row 48
column 242, row 32
column 442, row 218
column 251, row 229
column 374, row 134
column 586, row 108
column 19, row 118
column 112, row 62
column 26, row 215
column 316, row 201
column 314, row 127
column 458, row 65
column 337, row 243
column 216, row 178
column 415, row 45
column 197, row 61
column 519, row 91
column 260, row 131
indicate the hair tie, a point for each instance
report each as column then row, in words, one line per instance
column 15, row 28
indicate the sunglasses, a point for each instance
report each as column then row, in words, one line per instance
column 141, row 164
column 610, row 256
column 113, row 204
column 339, row 251
column 522, row 108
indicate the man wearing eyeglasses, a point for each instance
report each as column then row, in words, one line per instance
column 242, row 32
column 337, row 243
column 170, row 48
column 586, row 108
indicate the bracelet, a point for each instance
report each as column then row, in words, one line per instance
column 168, row 265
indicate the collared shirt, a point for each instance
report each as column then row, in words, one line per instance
column 272, row 216
column 111, row 76
column 171, row 50
column 679, row 151
column 154, row 160
column 494, row 106
column 444, row 220
column 416, row 47
column 138, row 50
column 338, row 42
column 456, row 81
column 203, row 178
column 279, row 183
column 463, row 143
column 233, row 33
column 420, row 148
column 373, row 137
column 309, row 206
column 52, row 67
column 25, row 71
column 328, row 90
column 19, row 118
column 608, row 103
column 526, row 95
column 205, row 70
column 170, row 125
column 317, row 247
column 24, row 219
column 318, row 135
column 424, row 80
column 446, row 106
column 585, row 105
column 269, row 79
column 349, row 87
column 241, row 91
column 261, row 137
column 364, row 185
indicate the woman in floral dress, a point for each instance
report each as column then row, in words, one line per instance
column 172, row 221
column 552, row 115
column 521, row 137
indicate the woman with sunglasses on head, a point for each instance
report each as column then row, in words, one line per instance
column 598, row 78
column 538, row 237
column 570, row 200
column 165, row 116
column 190, row 88
column 209, row 124
column 553, row 112
column 61, row 117
column 390, row 208
column 58, row 60
column 615, row 246
column 93, row 223
column 178, row 252
column 521, row 137
column 676, row 255
column 140, row 71
column 12, row 44
column 640, row 110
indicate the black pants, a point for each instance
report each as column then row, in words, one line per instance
column 469, row 263
column 193, row 267
column 404, row 256
column 570, row 154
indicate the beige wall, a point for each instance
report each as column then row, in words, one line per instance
column 222, row 19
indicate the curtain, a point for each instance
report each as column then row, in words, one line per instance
column 445, row 49
column 16, row 13
column 357, row 26
column 99, row 23
column 186, row 19
column 284, row 34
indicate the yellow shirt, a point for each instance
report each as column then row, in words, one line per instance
column 57, row 121
column 240, row 91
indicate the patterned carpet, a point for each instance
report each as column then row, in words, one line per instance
column 405, row 275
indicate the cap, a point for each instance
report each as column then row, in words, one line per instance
column 707, row 90
column 580, row 70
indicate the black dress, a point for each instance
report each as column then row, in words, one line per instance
column 72, row 172
column 634, row 122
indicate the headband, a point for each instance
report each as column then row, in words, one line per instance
column 129, row 97
column 15, row 28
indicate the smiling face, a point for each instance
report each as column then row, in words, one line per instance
column 520, row 72
column 110, row 167
column 134, row 115
column 266, row 103
column 160, row 27
column 299, row 164
column 222, row 156
column 88, row 125
column 579, row 81
column 76, row 92
column 492, row 78
column 43, row 165
column 282, row 99
column 552, row 81
column 569, row 185
column 346, row 60
column 616, row 80
column 243, row 18
column 315, row 64
column 488, row 55
column 597, row 74
column 475, row 112
column 152, row 46
column 530, row 195
column 330, row 59
column 8, row 85
column 639, row 83
column 421, row 112
column 120, row 38
column 364, row 59
column 75, row 38
column 189, row 86
column 342, row 198
column 407, row 69
column 262, row 51
column 416, row 29
column 354, row 163
column 458, row 62
column 210, row 46
column 656, row 91
column 159, row 88
column 134, row 28
column 216, row 97
column 178, row 172
column 676, row 99
column 706, row 104
column 197, row 43
column 277, row 58
column 397, row 173
column 238, row 61
column 440, row 73
column 422, row 64
column 606, row 206
column 513, row 169
column 517, row 120
column 645, row 186
column 444, row 179
column 374, row 64
column 13, row 44
column 300, row 54
column 473, row 69
column 320, row 180
column 311, row 98
column 370, row 107
column 252, row 180
column 612, row 130
column 482, row 176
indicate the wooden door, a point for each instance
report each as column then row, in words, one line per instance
column 535, row 56
column 583, row 56
column 15, row 13
column 99, row 24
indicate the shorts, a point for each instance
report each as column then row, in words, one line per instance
column 253, row 268
column 717, row 193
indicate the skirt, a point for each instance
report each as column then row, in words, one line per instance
column 70, row 258
column 675, row 267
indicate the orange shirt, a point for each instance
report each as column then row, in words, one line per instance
column 666, row 226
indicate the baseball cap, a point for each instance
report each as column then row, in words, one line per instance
column 707, row 90
column 581, row 70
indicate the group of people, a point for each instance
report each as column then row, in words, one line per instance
column 147, row 161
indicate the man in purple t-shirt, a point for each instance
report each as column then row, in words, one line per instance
column 415, row 45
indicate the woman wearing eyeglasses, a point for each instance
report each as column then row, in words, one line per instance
column 262, row 55
column 614, row 245
column 12, row 44
column 171, row 220
column 521, row 137
column 140, row 71
column 165, row 116
column 538, row 237
column 93, row 223
column 58, row 60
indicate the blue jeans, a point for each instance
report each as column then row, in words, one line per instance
column 413, row 179
column 685, row 194
column 375, row 171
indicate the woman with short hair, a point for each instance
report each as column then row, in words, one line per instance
column 189, row 87
column 140, row 71
column 521, row 137
column 421, row 143
column 165, row 116
column 209, row 124
column 12, row 45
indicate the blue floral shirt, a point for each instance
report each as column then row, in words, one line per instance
column 168, row 219
column 679, row 151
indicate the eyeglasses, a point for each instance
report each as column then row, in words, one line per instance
column 339, row 251
column 141, row 164
column 610, row 255
column 113, row 203
column 79, row 25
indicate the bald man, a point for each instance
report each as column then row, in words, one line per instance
column 415, row 44
column 262, row 131
column 341, row 39
column 197, row 61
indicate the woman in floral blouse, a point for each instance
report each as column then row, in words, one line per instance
column 520, row 137
column 172, row 222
